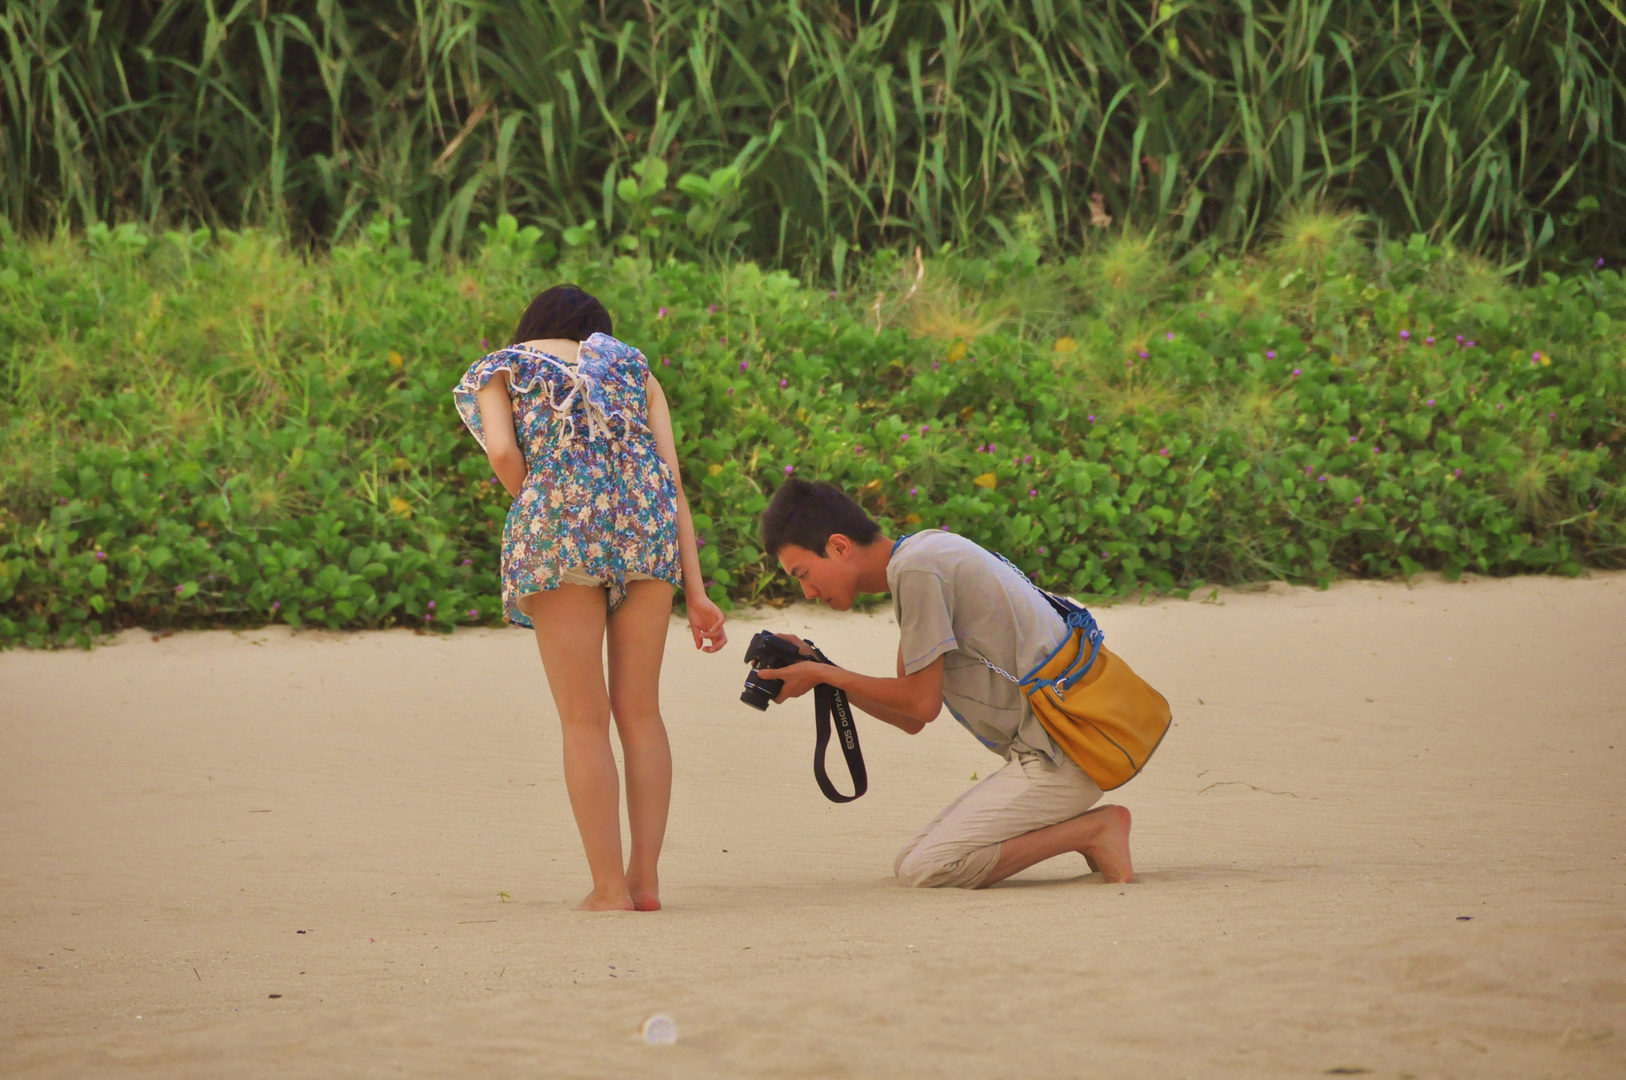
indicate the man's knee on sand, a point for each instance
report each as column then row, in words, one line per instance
column 923, row 866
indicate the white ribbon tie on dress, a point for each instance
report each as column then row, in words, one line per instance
column 586, row 387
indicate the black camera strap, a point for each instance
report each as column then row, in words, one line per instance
column 830, row 702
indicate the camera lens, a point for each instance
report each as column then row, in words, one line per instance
column 759, row 693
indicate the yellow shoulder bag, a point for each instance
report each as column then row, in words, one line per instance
column 1104, row 716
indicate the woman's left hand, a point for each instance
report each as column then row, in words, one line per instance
column 705, row 622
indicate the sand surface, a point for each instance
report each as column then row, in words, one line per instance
column 1384, row 837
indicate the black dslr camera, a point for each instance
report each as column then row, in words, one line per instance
column 768, row 651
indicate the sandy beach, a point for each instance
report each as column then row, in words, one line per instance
column 1385, row 837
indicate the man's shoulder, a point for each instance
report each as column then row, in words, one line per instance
column 932, row 549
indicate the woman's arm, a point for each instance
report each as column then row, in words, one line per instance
column 497, row 422
column 705, row 617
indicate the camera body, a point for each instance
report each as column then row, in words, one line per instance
column 767, row 650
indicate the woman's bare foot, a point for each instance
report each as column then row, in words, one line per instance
column 596, row 901
column 646, row 895
column 1106, row 849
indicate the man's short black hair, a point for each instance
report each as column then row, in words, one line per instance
column 807, row 514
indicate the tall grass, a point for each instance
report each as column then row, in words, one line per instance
column 1497, row 125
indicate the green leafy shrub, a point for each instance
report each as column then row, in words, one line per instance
column 210, row 430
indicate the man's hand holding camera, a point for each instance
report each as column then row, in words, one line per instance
column 798, row 678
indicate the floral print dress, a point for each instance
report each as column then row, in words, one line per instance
column 598, row 498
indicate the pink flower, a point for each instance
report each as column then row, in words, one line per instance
column 431, row 605
column 1428, row 341
column 1295, row 373
column 665, row 361
column 711, row 310
column 783, row 383
column 924, row 428
column 1169, row 336
column 1091, row 418
column 1270, row 354
column 1142, row 353
column 661, row 314
column 1405, row 335
column 911, row 491
column 744, row 364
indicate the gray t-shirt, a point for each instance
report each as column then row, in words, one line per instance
column 956, row 600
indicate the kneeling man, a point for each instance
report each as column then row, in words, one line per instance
column 962, row 613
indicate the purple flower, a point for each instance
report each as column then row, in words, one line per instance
column 1357, row 500
column 1091, row 418
column 1428, row 341
column 903, row 438
column 1551, row 416
column 1499, row 405
column 981, row 449
column 467, row 561
column 911, row 491
column 428, row 618
column 1169, row 336
column 665, row 361
column 1352, row 438
column 431, row 605
column 744, row 364
column 1457, row 473
column 1405, row 335
column 712, row 310
column 661, row 314
column 1026, row 458
column 730, row 391
column 1598, row 265
column 722, row 340
column 1044, row 551
column 925, row 428
column 991, row 448
column 1374, row 449
column 1142, row 353
column 1471, row 344
column 1164, row 452
column 700, row 541
column 789, row 469
column 474, row 613
column 1459, row 339
column 858, row 449
column 1535, row 358
column 482, row 343
column 934, row 365
column 783, row 383
column 1431, row 401
column 1270, row 354
column 1032, row 492
column 1296, row 373
column 100, row 555
column 275, row 604
column 177, row 590
column 1322, row 479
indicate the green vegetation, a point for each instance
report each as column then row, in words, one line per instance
column 796, row 132
column 210, row 430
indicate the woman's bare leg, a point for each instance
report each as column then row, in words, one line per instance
column 637, row 633
column 570, row 636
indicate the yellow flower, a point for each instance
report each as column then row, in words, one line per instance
column 957, row 351
column 1066, row 345
column 714, row 468
column 400, row 463
column 396, row 360
column 912, row 519
column 986, row 480
column 400, row 507
column 871, row 487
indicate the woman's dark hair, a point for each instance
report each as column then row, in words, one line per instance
column 564, row 311
column 808, row 514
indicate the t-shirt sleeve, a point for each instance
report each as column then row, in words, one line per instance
column 925, row 619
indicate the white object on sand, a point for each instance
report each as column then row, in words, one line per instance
column 659, row 1030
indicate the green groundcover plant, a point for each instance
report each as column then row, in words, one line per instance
column 208, row 429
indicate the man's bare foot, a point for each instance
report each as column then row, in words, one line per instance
column 597, row 901
column 1107, row 849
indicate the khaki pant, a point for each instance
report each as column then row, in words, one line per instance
column 961, row 845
